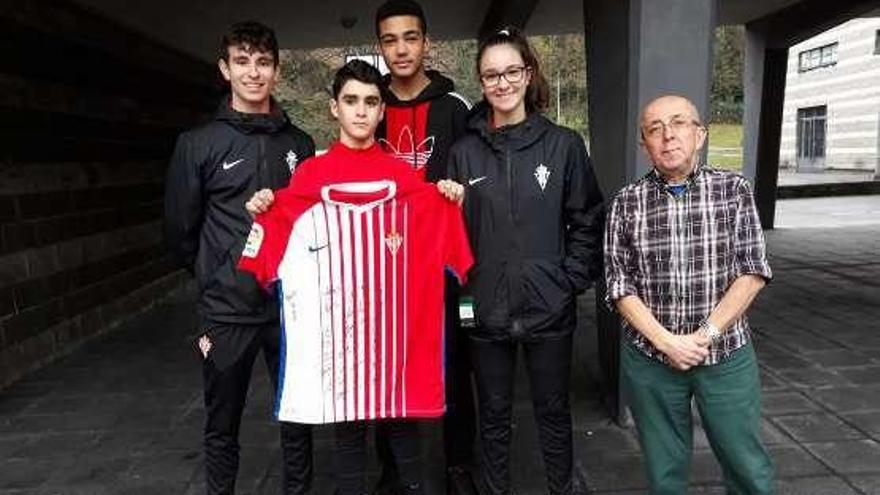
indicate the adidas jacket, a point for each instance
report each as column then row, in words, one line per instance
column 421, row 131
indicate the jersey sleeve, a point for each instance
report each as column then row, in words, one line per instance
column 265, row 246
column 457, row 250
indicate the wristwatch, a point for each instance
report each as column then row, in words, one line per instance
column 712, row 332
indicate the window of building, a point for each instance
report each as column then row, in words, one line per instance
column 811, row 132
column 815, row 58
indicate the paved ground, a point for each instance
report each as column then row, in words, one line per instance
column 791, row 177
column 123, row 415
column 825, row 213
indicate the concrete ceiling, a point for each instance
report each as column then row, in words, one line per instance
column 194, row 26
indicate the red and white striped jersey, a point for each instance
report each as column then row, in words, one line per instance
column 361, row 272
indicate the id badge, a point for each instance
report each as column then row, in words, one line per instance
column 466, row 311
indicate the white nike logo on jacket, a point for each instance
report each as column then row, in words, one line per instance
column 227, row 166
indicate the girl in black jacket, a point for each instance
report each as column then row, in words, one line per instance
column 534, row 214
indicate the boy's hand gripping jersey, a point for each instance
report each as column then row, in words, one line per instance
column 361, row 272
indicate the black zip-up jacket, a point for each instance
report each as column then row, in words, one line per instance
column 421, row 131
column 214, row 170
column 535, row 218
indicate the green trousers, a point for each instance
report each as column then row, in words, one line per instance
column 728, row 397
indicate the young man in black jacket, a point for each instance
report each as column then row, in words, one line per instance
column 250, row 145
column 423, row 117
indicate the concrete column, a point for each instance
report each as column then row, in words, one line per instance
column 638, row 50
column 764, row 88
column 770, row 133
column 753, row 80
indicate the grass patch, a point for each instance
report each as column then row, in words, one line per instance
column 725, row 136
column 725, row 146
column 727, row 162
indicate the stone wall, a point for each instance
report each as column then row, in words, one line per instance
column 90, row 112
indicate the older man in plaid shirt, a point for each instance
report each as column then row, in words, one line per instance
column 684, row 258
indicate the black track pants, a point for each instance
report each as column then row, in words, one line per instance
column 227, row 374
column 350, row 455
column 549, row 368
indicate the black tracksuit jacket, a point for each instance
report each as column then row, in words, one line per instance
column 535, row 219
column 214, row 170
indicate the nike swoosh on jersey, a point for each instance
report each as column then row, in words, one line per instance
column 315, row 249
column 472, row 182
column 227, row 166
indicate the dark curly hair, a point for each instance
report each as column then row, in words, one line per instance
column 252, row 35
column 359, row 71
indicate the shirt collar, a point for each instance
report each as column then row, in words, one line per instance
column 662, row 183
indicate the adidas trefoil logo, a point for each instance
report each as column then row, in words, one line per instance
column 407, row 150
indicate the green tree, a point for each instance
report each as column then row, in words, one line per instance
column 727, row 75
column 563, row 62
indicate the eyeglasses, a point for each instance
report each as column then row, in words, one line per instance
column 512, row 75
column 656, row 129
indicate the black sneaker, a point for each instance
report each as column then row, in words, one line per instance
column 459, row 481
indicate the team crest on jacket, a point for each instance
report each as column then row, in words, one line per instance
column 407, row 150
column 393, row 240
column 542, row 174
column 291, row 159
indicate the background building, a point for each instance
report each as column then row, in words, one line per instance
column 831, row 118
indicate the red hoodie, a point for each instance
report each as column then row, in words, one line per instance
column 421, row 131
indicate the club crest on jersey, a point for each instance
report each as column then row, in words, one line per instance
column 291, row 160
column 393, row 240
column 407, row 150
column 542, row 175
column 254, row 241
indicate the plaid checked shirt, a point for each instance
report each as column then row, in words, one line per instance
column 680, row 254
